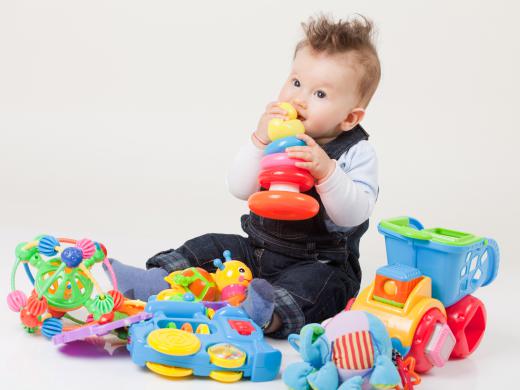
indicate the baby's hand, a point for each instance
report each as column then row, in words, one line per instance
column 316, row 160
column 271, row 111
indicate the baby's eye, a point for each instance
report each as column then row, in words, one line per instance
column 320, row 94
column 296, row 83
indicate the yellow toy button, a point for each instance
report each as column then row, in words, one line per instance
column 203, row 329
column 226, row 376
column 174, row 342
column 210, row 313
column 226, row 355
column 161, row 369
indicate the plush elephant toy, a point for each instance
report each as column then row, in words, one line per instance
column 351, row 351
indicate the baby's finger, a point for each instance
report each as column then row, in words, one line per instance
column 278, row 110
column 272, row 116
column 307, row 156
column 298, row 149
column 304, row 164
column 271, row 105
column 308, row 140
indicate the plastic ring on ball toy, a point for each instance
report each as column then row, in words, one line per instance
column 47, row 246
column 117, row 297
column 286, row 179
column 51, row 327
column 87, row 247
column 100, row 305
column 278, row 160
column 16, row 300
column 28, row 319
column 36, row 306
column 283, row 205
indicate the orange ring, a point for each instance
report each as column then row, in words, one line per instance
column 286, row 174
column 283, row 205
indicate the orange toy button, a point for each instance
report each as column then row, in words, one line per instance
column 390, row 287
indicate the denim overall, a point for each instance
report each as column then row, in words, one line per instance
column 314, row 272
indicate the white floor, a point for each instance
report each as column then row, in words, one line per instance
column 32, row 362
column 118, row 122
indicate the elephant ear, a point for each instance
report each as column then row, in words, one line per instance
column 385, row 374
column 294, row 341
column 314, row 331
column 314, row 347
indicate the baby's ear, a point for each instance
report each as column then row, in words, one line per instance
column 353, row 118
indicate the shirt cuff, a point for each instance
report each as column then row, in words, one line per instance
column 330, row 181
column 251, row 148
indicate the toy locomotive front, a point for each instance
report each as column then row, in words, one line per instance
column 423, row 296
column 187, row 338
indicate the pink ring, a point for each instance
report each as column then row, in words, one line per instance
column 277, row 160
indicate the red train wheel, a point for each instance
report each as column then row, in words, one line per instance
column 467, row 321
column 422, row 335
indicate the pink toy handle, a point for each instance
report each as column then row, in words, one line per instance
column 493, row 253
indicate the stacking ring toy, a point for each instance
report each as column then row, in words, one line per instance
column 283, row 181
column 63, row 283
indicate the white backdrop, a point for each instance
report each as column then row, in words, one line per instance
column 118, row 120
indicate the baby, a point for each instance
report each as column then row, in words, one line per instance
column 305, row 271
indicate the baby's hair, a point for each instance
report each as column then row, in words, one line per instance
column 353, row 36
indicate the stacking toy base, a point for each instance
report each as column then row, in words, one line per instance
column 283, row 205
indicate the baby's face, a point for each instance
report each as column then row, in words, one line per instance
column 323, row 89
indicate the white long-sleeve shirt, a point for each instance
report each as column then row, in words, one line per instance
column 348, row 194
